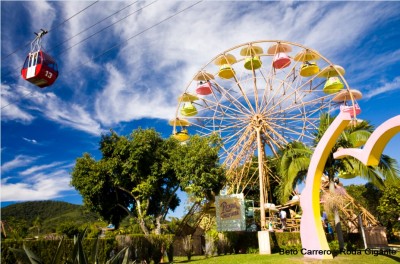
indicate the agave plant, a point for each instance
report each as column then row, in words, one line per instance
column 78, row 256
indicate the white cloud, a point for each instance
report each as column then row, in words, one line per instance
column 385, row 88
column 51, row 106
column 33, row 141
column 9, row 104
column 18, row 162
column 43, row 13
column 71, row 115
column 35, row 169
column 119, row 101
column 41, row 187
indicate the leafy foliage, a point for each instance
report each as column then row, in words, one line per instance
column 27, row 218
column 293, row 165
column 139, row 175
column 389, row 207
column 367, row 195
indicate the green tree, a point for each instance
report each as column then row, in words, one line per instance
column 389, row 208
column 295, row 159
column 367, row 195
column 139, row 175
column 70, row 229
column 292, row 164
column 36, row 225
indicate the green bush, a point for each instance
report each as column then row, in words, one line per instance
column 245, row 242
column 284, row 240
column 146, row 248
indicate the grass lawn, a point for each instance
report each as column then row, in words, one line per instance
column 289, row 259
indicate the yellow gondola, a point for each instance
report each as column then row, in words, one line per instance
column 306, row 55
column 188, row 109
column 309, row 69
column 252, row 63
column 251, row 50
column 179, row 122
column 333, row 85
column 225, row 61
column 181, row 136
column 226, row 71
column 331, row 71
column 187, row 98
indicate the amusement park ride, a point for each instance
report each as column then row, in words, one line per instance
column 258, row 97
column 39, row 68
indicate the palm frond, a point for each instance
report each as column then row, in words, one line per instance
column 358, row 138
column 389, row 168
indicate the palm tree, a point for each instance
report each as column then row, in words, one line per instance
column 295, row 159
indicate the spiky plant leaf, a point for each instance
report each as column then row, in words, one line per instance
column 58, row 252
column 117, row 257
column 32, row 256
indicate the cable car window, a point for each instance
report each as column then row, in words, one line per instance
column 39, row 59
column 26, row 63
column 51, row 65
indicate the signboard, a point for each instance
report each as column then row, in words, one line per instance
column 230, row 211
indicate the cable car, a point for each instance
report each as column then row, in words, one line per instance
column 40, row 69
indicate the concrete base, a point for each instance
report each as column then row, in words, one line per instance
column 264, row 244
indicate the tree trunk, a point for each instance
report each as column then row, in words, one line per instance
column 141, row 219
column 158, row 225
column 338, row 225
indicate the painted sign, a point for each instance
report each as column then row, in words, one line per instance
column 230, row 211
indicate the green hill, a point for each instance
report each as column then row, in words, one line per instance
column 48, row 214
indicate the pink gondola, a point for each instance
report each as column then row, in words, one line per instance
column 281, row 60
column 204, row 88
column 349, row 109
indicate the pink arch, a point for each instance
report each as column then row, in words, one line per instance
column 371, row 153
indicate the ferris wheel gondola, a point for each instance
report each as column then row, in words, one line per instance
column 39, row 68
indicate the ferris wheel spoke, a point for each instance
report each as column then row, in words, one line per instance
column 250, row 107
column 287, row 130
column 219, row 109
column 227, row 94
column 271, row 78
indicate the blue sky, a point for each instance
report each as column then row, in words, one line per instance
column 123, row 64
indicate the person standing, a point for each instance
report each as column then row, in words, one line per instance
column 282, row 216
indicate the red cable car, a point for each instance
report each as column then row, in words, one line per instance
column 40, row 69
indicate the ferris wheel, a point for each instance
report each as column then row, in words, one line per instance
column 259, row 96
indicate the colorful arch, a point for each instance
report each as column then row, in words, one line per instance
column 312, row 235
